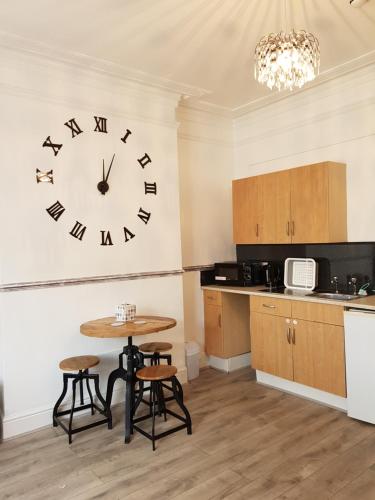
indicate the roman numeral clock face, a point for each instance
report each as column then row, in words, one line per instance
column 106, row 173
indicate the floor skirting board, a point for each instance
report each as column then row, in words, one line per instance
column 230, row 364
column 304, row 391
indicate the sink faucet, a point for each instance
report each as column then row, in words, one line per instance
column 353, row 283
column 335, row 281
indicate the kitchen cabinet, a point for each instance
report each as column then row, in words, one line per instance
column 301, row 205
column 247, row 209
column 226, row 324
column 306, row 346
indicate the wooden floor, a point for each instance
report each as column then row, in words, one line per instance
column 248, row 442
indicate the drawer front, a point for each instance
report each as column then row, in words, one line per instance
column 320, row 313
column 270, row 305
column 212, row 297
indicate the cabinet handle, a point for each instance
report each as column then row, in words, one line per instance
column 288, row 229
column 257, row 230
column 288, row 335
column 270, row 306
column 293, row 228
column 294, row 336
column 219, row 320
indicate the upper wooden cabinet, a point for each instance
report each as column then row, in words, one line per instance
column 300, row 205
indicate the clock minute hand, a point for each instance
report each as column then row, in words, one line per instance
column 110, row 166
column 103, row 171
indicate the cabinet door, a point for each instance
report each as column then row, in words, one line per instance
column 214, row 344
column 318, row 355
column 247, row 206
column 309, row 204
column 271, row 349
column 276, row 224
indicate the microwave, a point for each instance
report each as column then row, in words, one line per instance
column 247, row 273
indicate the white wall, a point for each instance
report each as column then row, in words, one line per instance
column 205, row 152
column 332, row 121
column 39, row 327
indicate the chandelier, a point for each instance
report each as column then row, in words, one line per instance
column 287, row 60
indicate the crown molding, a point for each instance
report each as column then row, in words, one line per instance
column 54, row 55
column 331, row 74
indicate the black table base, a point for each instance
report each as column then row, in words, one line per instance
column 134, row 361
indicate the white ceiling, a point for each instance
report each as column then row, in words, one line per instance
column 203, row 43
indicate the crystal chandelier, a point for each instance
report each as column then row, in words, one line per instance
column 287, row 60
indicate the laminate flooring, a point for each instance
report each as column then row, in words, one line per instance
column 248, row 442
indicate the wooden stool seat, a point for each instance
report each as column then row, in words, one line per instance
column 78, row 363
column 156, row 372
column 155, row 347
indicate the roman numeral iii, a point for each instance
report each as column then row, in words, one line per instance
column 100, row 124
column 78, row 231
column 72, row 124
column 143, row 215
column 56, row 210
column 150, row 187
column 106, row 238
column 49, row 144
column 144, row 160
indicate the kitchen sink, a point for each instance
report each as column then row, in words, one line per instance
column 334, row 296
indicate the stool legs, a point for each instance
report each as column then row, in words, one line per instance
column 79, row 379
column 157, row 406
column 179, row 396
column 60, row 400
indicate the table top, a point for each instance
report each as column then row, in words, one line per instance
column 102, row 327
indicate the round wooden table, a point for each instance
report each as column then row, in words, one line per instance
column 141, row 325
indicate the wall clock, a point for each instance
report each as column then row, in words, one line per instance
column 105, row 176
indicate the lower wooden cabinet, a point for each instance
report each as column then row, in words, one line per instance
column 226, row 324
column 270, row 350
column 319, row 356
column 307, row 352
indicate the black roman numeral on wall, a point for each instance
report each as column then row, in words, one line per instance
column 128, row 234
column 106, row 238
column 127, row 133
column 150, row 187
column 144, row 160
column 100, row 124
column 72, row 124
column 143, row 215
column 49, row 144
column 56, row 210
column 78, row 231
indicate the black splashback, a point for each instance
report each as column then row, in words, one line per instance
column 334, row 259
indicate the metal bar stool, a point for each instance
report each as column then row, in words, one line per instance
column 153, row 350
column 156, row 375
column 82, row 365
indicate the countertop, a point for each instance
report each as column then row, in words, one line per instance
column 367, row 302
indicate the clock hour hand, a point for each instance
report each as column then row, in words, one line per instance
column 110, row 166
column 103, row 184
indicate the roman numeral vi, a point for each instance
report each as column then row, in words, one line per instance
column 106, row 238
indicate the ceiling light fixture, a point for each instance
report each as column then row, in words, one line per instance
column 287, row 60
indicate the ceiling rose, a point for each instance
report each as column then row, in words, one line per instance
column 287, row 60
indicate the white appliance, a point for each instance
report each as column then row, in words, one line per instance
column 360, row 363
column 300, row 274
